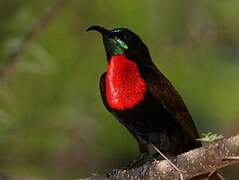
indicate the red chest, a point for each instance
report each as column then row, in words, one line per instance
column 125, row 87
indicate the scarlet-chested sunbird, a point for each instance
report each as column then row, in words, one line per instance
column 142, row 98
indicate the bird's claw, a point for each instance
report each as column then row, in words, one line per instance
column 111, row 173
column 144, row 157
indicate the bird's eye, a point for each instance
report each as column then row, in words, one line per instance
column 125, row 36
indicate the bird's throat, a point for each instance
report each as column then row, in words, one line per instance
column 125, row 87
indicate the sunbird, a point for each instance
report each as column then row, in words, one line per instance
column 142, row 98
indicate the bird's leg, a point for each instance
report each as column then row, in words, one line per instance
column 138, row 161
column 144, row 154
column 170, row 162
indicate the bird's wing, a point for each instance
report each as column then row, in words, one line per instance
column 164, row 92
column 103, row 90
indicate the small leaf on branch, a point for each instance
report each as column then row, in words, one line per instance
column 210, row 137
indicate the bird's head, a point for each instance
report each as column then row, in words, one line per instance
column 123, row 41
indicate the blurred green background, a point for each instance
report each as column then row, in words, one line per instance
column 52, row 121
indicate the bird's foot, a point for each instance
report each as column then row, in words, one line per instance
column 143, row 158
column 111, row 173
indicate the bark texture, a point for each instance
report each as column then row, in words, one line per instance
column 195, row 163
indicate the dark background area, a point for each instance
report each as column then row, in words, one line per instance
column 52, row 120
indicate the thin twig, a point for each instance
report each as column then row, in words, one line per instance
column 231, row 158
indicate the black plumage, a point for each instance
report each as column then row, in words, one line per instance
column 161, row 118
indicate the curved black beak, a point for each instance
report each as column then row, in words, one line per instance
column 100, row 29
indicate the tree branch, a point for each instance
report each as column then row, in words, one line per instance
column 42, row 23
column 195, row 163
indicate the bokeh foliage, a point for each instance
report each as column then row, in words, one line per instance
column 52, row 120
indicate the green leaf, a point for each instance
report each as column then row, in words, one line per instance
column 210, row 137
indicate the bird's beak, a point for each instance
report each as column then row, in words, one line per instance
column 100, row 29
